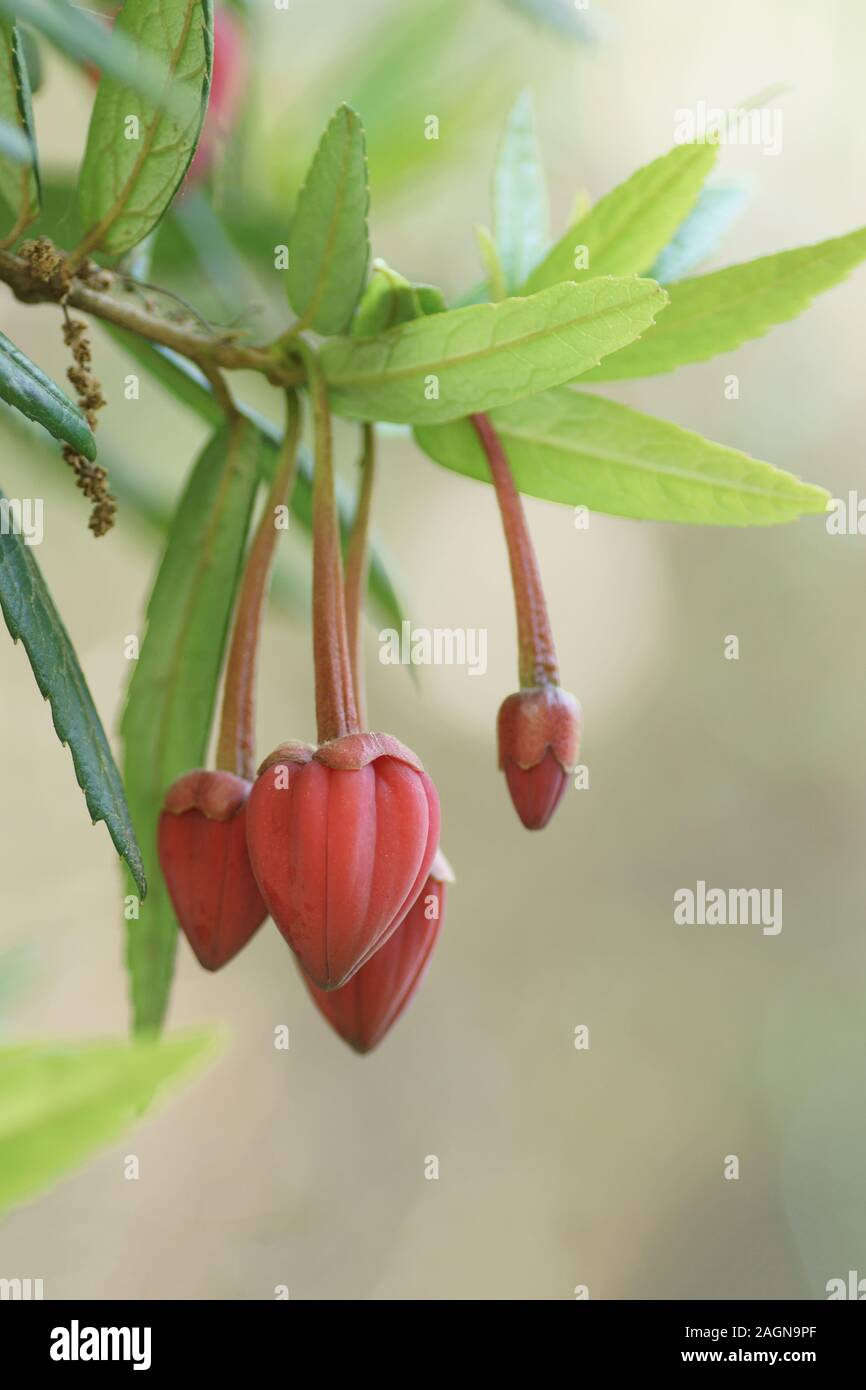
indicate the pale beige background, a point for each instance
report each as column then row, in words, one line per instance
column 557, row 1167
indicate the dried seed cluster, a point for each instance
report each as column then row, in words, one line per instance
column 48, row 266
column 91, row 478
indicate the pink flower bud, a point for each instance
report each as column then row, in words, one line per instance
column 341, row 839
column 203, row 855
column 539, row 734
column 364, row 1010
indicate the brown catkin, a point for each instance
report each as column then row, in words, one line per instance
column 48, row 266
column 91, row 478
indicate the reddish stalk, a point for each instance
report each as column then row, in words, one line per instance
column 336, row 711
column 358, row 568
column 236, row 745
column 537, row 663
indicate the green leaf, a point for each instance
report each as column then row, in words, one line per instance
column 26, row 387
column 19, row 170
column 452, row 364
column 32, row 60
column 715, row 313
column 186, row 384
column 329, row 244
column 389, row 300
column 169, row 711
column 87, row 40
column 496, row 284
column 60, row 1102
column 32, row 619
column 576, row 448
column 431, row 299
column 126, row 184
column 625, row 231
column 700, row 236
column 520, row 209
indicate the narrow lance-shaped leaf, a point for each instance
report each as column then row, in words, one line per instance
column 138, row 151
column 329, row 245
column 700, row 236
column 625, row 231
column 572, row 447
column 186, row 384
column 60, row 1102
column 715, row 313
column 26, row 387
column 32, row 619
column 497, row 286
column 167, row 721
column 520, row 209
column 19, row 173
column 447, row 365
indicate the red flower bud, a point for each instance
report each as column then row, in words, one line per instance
column 341, row 839
column 363, row 1010
column 203, row 854
column 539, row 735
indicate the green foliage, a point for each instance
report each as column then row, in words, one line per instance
column 167, row 721
column 19, row 169
column 26, row 387
column 487, row 355
column 714, row 313
column 571, row 447
column 85, row 39
column 389, row 300
column 497, row 287
column 329, row 246
column 520, row 208
column 627, row 229
column 718, row 207
column 32, row 619
column 395, row 352
column 126, row 183
column 60, row 1102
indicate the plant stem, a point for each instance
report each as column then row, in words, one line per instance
column 336, row 711
column 358, row 567
column 92, row 293
column 236, row 746
column 537, row 662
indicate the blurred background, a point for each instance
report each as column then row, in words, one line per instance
column 558, row 1167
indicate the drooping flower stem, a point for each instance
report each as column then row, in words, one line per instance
column 358, row 566
column 236, row 746
column 336, row 710
column 537, row 663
